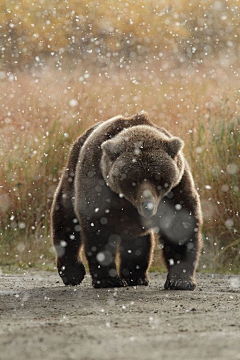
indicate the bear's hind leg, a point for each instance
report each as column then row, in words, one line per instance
column 100, row 251
column 135, row 257
column 67, row 240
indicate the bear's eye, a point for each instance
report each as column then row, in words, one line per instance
column 123, row 176
column 134, row 184
column 157, row 180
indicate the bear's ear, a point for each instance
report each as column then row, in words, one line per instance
column 174, row 145
column 113, row 148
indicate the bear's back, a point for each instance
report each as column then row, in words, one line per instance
column 91, row 152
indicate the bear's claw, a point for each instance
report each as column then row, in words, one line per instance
column 179, row 284
column 138, row 280
column 109, row 282
column 72, row 274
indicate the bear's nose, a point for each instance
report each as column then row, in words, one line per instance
column 148, row 208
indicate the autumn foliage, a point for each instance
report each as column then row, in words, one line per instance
column 67, row 64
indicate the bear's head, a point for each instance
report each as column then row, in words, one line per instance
column 142, row 164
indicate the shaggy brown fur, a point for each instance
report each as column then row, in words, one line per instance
column 126, row 179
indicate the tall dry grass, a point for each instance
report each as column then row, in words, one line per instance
column 112, row 32
column 42, row 113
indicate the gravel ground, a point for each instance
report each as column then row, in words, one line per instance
column 42, row 319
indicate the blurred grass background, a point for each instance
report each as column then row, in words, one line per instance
column 66, row 64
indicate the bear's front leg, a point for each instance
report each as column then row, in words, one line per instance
column 135, row 257
column 100, row 250
column 180, row 229
column 181, row 262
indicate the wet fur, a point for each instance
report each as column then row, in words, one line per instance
column 87, row 209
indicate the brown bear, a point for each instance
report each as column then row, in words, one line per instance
column 125, row 180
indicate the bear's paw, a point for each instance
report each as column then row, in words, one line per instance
column 72, row 274
column 180, row 284
column 108, row 282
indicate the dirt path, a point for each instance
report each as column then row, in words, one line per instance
column 41, row 319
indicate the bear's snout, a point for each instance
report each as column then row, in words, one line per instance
column 147, row 208
column 147, row 203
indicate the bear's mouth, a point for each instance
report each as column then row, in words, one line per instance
column 147, row 208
